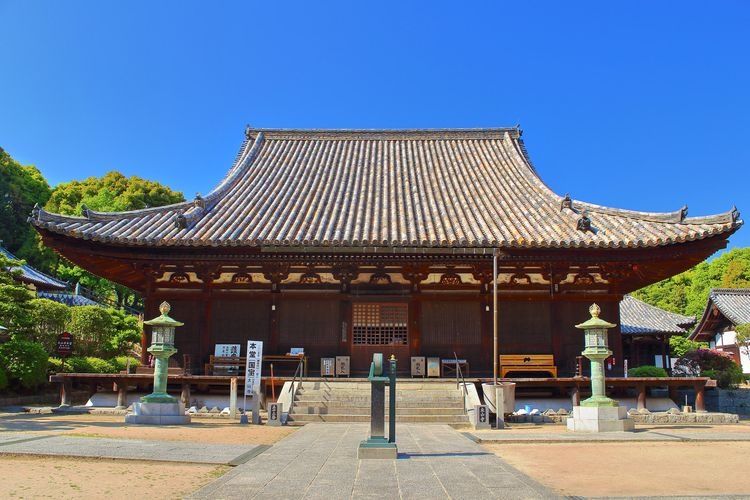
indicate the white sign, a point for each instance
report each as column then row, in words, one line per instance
column 227, row 350
column 253, row 366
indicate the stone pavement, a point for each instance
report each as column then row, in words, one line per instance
column 664, row 434
column 320, row 461
column 25, row 443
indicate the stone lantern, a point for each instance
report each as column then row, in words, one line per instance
column 598, row 413
column 159, row 407
column 596, row 350
column 162, row 348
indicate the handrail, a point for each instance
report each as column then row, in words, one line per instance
column 296, row 371
column 459, row 374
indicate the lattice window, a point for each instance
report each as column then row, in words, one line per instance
column 380, row 324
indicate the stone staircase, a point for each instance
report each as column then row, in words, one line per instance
column 336, row 400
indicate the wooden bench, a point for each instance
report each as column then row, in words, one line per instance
column 225, row 365
column 527, row 363
column 235, row 365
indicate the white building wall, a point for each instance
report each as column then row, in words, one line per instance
column 729, row 338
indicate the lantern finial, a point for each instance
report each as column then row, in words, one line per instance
column 164, row 308
column 594, row 310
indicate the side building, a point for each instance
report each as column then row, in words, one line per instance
column 350, row 242
column 726, row 308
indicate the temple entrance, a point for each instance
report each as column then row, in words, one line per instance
column 379, row 327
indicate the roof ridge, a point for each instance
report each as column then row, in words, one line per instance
column 365, row 134
column 730, row 291
column 675, row 217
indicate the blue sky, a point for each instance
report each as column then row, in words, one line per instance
column 638, row 105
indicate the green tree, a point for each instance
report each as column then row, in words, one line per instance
column 22, row 186
column 111, row 193
column 743, row 338
column 679, row 345
column 687, row 293
column 15, row 306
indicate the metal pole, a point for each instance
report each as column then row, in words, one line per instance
column 494, row 316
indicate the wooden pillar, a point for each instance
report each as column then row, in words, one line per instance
column 122, row 393
column 700, row 403
column 345, row 317
column 185, row 393
column 65, row 391
column 205, row 340
column 557, row 345
column 575, row 396
column 485, row 301
column 415, row 330
column 641, row 390
column 274, row 333
column 663, row 342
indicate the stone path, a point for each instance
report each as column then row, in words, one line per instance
column 128, row 449
column 320, row 461
column 650, row 435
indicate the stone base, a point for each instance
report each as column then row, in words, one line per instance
column 377, row 448
column 158, row 414
column 600, row 419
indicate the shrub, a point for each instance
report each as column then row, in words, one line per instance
column 48, row 321
column 647, row 371
column 125, row 331
column 91, row 327
column 99, row 365
column 54, row 365
column 89, row 364
column 120, row 363
column 712, row 363
column 25, row 362
column 729, row 378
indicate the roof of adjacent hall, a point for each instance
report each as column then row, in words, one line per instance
column 640, row 318
column 27, row 274
column 385, row 188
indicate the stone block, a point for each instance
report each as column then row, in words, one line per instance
column 388, row 451
column 600, row 419
column 158, row 414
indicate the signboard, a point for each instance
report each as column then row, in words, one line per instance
column 65, row 344
column 227, row 350
column 253, row 366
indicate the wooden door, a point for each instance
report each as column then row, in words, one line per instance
column 379, row 327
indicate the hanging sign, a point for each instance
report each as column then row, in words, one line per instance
column 65, row 344
column 253, row 366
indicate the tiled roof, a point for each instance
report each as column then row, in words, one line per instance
column 70, row 299
column 734, row 303
column 31, row 275
column 385, row 188
column 639, row 318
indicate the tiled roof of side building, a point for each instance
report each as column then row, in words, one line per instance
column 386, row 188
column 640, row 318
column 33, row 276
column 734, row 303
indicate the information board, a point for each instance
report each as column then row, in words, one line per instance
column 65, row 344
column 227, row 350
column 253, row 366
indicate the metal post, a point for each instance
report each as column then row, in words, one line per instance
column 494, row 316
column 392, row 402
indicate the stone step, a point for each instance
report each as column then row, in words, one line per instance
column 337, row 396
column 366, row 386
column 366, row 404
column 438, row 419
column 365, row 410
column 410, row 394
